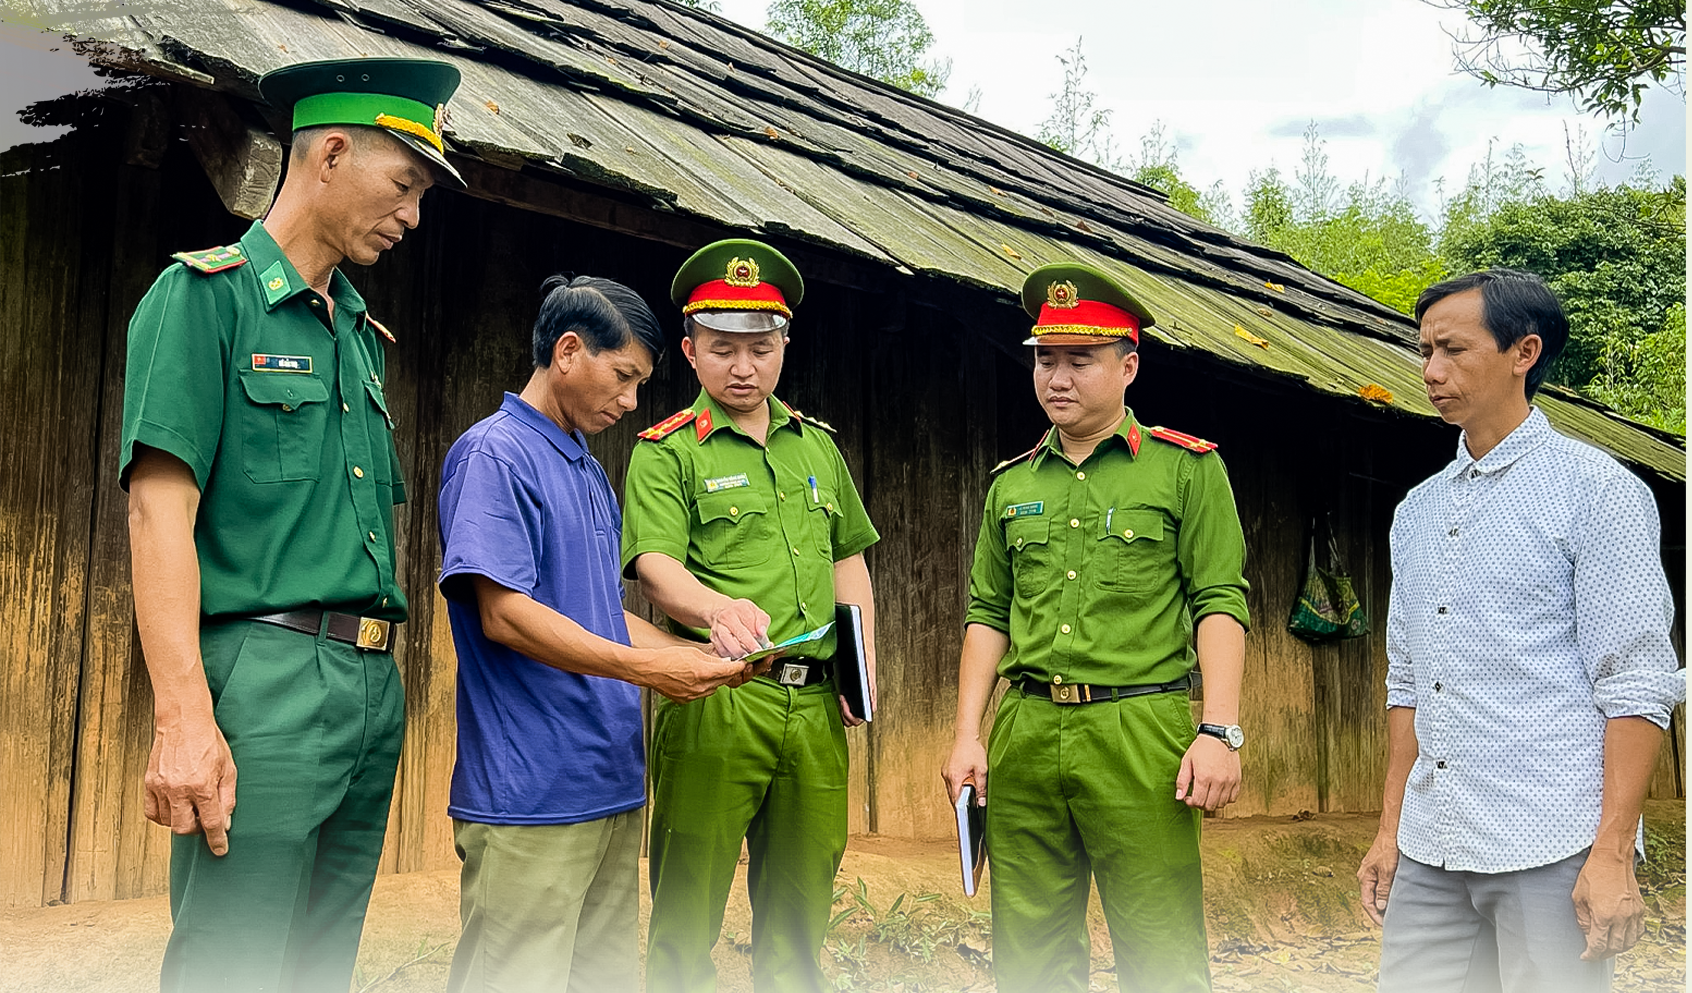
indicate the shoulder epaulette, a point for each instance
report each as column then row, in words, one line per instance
column 667, row 426
column 1186, row 441
column 1024, row 457
column 384, row 332
column 213, row 259
column 808, row 419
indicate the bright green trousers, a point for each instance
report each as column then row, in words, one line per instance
column 315, row 728
column 762, row 762
column 1088, row 790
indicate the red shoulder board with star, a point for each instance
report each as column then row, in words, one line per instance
column 808, row 419
column 1186, row 441
column 1024, row 457
column 666, row 427
column 213, row 259
column 384, row 332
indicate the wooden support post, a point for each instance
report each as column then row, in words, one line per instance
column 243, row 163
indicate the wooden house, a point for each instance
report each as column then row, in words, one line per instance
column 612, row 137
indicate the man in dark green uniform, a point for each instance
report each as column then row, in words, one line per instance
column 742, row 524
column 262, row 476
column 1099, row 551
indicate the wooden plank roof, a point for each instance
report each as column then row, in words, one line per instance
column 696, row 114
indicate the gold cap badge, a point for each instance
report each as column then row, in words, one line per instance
column 741, row 272
column 1062, row 295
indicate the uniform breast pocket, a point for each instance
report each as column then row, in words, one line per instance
column 820, row 518
column 1134, row 552
column 381, row 429
column 283, row 426
column 734, row 527
column 1031, row 555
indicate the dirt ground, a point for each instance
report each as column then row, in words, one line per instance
column 1281, row 903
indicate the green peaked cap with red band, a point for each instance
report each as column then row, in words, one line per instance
column 1075, row 304
column 407, row 98
column 742, row 277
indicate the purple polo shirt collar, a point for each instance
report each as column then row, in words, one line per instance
column 572, row 445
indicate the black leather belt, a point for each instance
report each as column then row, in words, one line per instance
column 798, row 672
column 367, row 633
column 1058, row 691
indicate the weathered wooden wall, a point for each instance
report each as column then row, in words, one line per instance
column 908, row 373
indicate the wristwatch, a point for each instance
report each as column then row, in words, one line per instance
column 1230, row 734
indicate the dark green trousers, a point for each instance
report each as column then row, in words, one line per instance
column 1079, row 791
column 762, row 762
column 315, row 728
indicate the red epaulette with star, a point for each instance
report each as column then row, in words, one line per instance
column 1024, row 457
column 668, row 426
column 1187, row 441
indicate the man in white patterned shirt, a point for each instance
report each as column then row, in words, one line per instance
column 1530, row 675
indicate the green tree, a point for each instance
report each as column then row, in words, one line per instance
column 1156, row 167
column 1602, row 53
column 884, row 39
column 1077, row 126
column 1616, row 258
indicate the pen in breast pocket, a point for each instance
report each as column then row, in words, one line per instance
column 1108, row 515
column 814, row 497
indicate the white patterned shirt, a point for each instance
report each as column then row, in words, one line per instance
column 1529, row 606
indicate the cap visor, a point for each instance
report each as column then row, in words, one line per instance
column 741, row 320
column 1076, row 339
column 444, row 171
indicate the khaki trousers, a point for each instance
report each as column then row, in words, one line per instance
column 551, row 907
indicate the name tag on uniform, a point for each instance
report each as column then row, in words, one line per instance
column 1034, row 509
column 281, row 363
column 727, row 482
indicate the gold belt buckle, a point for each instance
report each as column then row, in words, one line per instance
column 1067, row 693
column 793, row 675
column 373, row 634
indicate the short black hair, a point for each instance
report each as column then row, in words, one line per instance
column 360, row 135
column 1125, row 346
column 1514, row 304
column 604, row 313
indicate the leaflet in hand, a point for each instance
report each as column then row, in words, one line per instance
column 788, row 645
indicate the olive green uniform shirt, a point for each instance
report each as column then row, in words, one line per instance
column 743, row 518
column 1099, row 571
column 282, row 417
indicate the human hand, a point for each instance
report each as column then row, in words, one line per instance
column 966, row 764
column 1608, row 906
column 189, row 785
column 1210, row 774
column 1375, row 875
column 739, row 628
column 685, row 673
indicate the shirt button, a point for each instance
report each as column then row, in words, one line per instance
column 1452, row 532
column 802, row 605
column 1072, row 574
column 782, row 495
column 1064, row 629
column 1440, row 764
column 1057, row 680
column 1127, row 532
column 1080, row 475
column 346, row 409
column 1074, row 523
column 287, row 407
column 317, row 303
column 796, row 551
column 1019, row 542
column 371, row 534
column 358, row 472
column 734, row 511
column 373, row 378
column 1439, row 687
column 384, row 601
column 1442, row 610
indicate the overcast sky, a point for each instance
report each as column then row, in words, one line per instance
column 1234, row 83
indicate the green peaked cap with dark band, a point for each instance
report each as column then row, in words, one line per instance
column 738, row 285
column 407, row 98
column 1075, row 304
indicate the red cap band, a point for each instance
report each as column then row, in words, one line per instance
column 1088, row 317
column 721, row 295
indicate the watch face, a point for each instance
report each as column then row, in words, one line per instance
column 1235, row 737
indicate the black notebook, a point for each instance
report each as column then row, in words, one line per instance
column 972, row 828
column 851, row 668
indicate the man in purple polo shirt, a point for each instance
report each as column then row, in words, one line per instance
column 550, row 761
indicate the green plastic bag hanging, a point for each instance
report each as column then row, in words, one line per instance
column 1327, row 607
